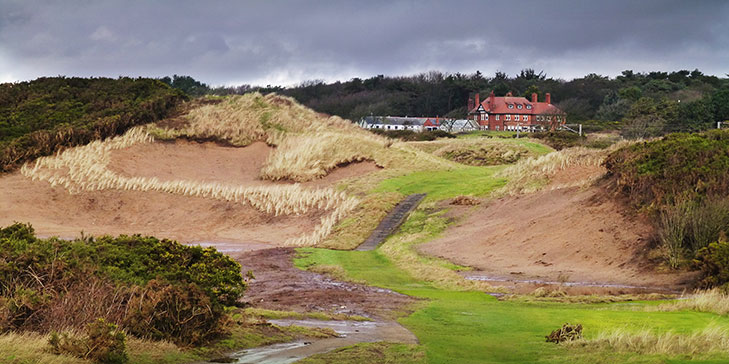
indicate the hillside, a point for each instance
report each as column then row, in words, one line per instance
column 243, row 164
column 40, row 117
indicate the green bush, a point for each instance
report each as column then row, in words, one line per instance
column 713, row 263
column 42, row 116
column 104, row 343
column 679, row 167
column 178, row 292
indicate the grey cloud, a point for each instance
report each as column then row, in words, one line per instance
column 223, row 42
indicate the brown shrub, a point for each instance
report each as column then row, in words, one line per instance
column 465, row 201
column 103, row 343
column 183, row 314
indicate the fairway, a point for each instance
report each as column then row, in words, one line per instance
column 474, row 327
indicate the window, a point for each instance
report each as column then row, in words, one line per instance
column 508, row 117
column 486, row 116
column 525, row 117
column 549, row 118
column 497, row 117
column 529, row 107
column 519, row 106
column 511, row 106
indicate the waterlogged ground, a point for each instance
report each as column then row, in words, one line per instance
column 350, row 333
column 474, row 327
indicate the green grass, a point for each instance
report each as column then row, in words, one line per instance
column 489, row 134
column 473, row 327
column 444, row 184
column 468, row 326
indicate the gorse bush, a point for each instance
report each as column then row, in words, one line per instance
column 40, row 117
column 154, row 288
column 713, row 262
column 103, row 343
column 679, row 167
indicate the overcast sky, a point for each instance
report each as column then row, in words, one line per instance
column 286, row 42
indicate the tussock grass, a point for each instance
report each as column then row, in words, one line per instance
column 711, row 339
column 33, row 348
column 85, row 169
column 24, row 348
column 532, row 174
column 713, row 300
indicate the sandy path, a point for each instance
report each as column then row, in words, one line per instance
column 566, row 234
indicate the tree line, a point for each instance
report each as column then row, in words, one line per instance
column 643, row 104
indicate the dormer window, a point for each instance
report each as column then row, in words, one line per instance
column 519, row 106
column 529, row 107
column 511, row 106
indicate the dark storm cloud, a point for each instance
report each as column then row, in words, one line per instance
column 229, row 42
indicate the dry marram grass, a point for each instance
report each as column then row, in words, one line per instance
column 85, row 169
column 710, row 339
column 713, row 300
column 532, row 174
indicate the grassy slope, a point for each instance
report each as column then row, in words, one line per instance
column 457, row 324
column 442, row 184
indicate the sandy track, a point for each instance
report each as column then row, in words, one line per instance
column 565, row 234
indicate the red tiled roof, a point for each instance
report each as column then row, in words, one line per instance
column 501, row 106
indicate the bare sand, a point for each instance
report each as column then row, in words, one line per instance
column 54, row 212
column 571, row 234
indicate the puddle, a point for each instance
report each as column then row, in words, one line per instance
column 351, row 333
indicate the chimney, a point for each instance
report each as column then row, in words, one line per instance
column 478, row 100
column 534, row 97
column 470, row 104
column 549, row 98
column 492, row 100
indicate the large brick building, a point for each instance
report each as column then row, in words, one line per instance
column 515, row 113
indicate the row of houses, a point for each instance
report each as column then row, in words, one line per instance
column 493, row 113
column 418, row 124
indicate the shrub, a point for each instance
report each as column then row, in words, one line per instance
column 156, row 288
column 566, row 333
column 104, row 343
column 42, row 116
column 687, row 227
column 678, row 167
column 184, row 314
column 713, row 263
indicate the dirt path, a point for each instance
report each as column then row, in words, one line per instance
column 565, row 235
column 281, row 286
